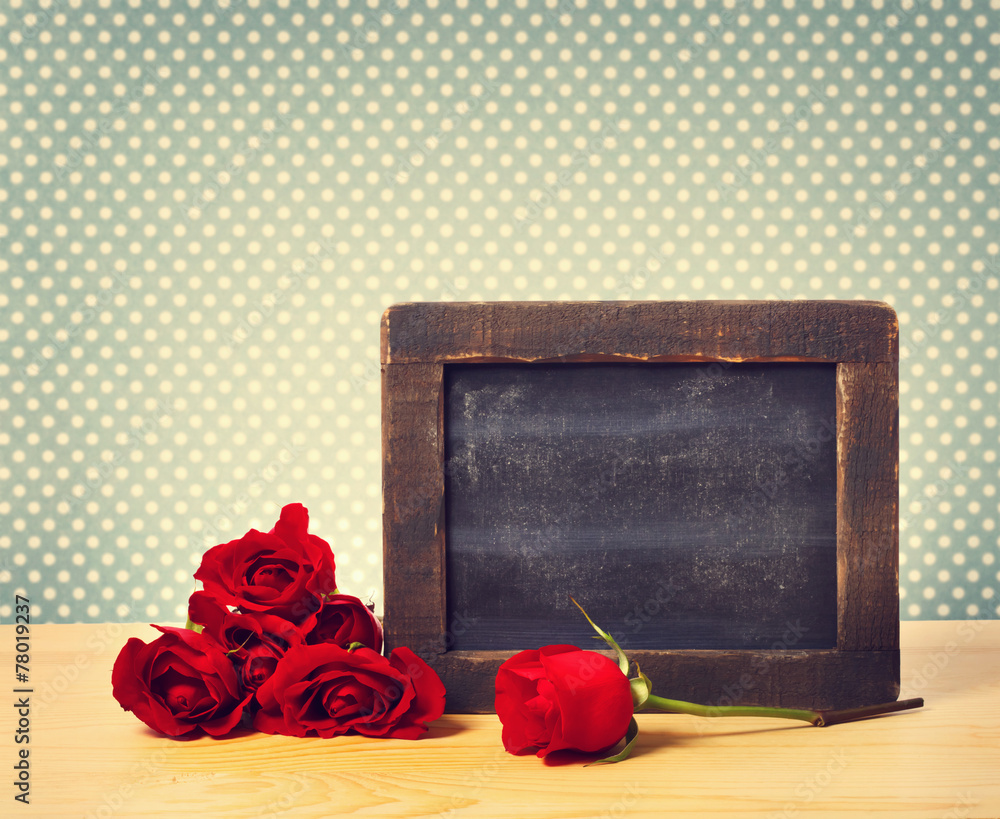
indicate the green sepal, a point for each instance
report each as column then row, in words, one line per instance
column 641, row 689
column 191, row 625
column 630, row 737
column 622, row 659
column 240, row 646
column 355, row 645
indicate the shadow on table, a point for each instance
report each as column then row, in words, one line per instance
column 652, row 741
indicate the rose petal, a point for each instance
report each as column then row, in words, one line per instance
column 594, row 700
column 179, row 683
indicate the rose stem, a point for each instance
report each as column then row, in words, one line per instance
column 819, row 718
column 851, row 714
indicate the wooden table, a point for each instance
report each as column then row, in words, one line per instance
column 91, row 759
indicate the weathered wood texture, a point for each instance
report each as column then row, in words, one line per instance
column 860, row 337
column 817, row 678
column 868, row 506
column 413, row 503
column 834, row 331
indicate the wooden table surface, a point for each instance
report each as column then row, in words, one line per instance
column 91, row 759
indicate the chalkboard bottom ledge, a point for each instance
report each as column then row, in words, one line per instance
column 821, row 679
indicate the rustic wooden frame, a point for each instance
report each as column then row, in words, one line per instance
column 860, row 337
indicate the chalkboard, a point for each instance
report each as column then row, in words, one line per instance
column 715, row 481
column 684, row 505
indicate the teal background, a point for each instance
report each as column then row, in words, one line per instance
column 205, row 208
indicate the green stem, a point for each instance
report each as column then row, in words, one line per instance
column 655, row 703
column 819, row 718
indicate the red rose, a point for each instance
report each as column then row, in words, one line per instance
column 253, row 641
column 343, row 620
column 283, row 572
column 180, row 682
column 561, row 697
column 325, row 691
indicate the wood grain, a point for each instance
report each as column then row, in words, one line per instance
column 413, row 503
column 868, row 506
column 814, row 678
column 830, row 331
column 91, row 759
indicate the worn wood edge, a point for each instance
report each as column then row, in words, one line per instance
column 868, row 506
column 819, row 679
column 413, row 514
column 597, row 358
column 465, row 331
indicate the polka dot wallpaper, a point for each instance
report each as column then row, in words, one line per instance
column 205, row 207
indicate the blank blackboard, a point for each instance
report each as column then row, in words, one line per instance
column 717, row 482
column 685, row 505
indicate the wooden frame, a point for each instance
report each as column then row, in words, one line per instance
column 860, row 337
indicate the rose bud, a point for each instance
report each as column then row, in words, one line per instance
column 284, row 572
column 253, row 641
column 181, row 682
column 325, row 691
column 343, row 620
column 259, row 664
column 561, row 697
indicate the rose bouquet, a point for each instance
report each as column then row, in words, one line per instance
column 272, row 643
column 560, row 697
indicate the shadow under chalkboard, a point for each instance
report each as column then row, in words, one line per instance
column 684, row 505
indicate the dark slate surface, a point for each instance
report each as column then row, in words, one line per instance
column 684, row 505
